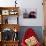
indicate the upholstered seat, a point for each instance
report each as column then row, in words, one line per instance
column 29, row 36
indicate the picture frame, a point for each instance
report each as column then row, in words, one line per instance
column 32, row 13
column 5, row 12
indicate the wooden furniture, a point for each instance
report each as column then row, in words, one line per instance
column 10, row 43
column 6, row 12
column 11, row 26
column 5, row 24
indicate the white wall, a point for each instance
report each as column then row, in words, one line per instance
column 32, row 4
column 27, row 4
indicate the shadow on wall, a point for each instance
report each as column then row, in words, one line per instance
column 37, row 29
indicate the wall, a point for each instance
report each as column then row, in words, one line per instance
column 29, row 5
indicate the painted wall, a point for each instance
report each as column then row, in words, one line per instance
column 29, row 5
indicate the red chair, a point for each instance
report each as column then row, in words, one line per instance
column 29, row 33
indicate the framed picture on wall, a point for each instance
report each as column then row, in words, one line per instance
column 30, row 14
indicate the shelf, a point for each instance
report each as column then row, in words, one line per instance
column 9, row 10
column 10, row 26
column 10, row 19
column 7, row 16
column 11, row 41
column 5, row 13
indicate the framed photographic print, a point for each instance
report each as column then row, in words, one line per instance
column 5, row 12
column 30, row 14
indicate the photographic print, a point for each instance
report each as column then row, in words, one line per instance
column 31, row 14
